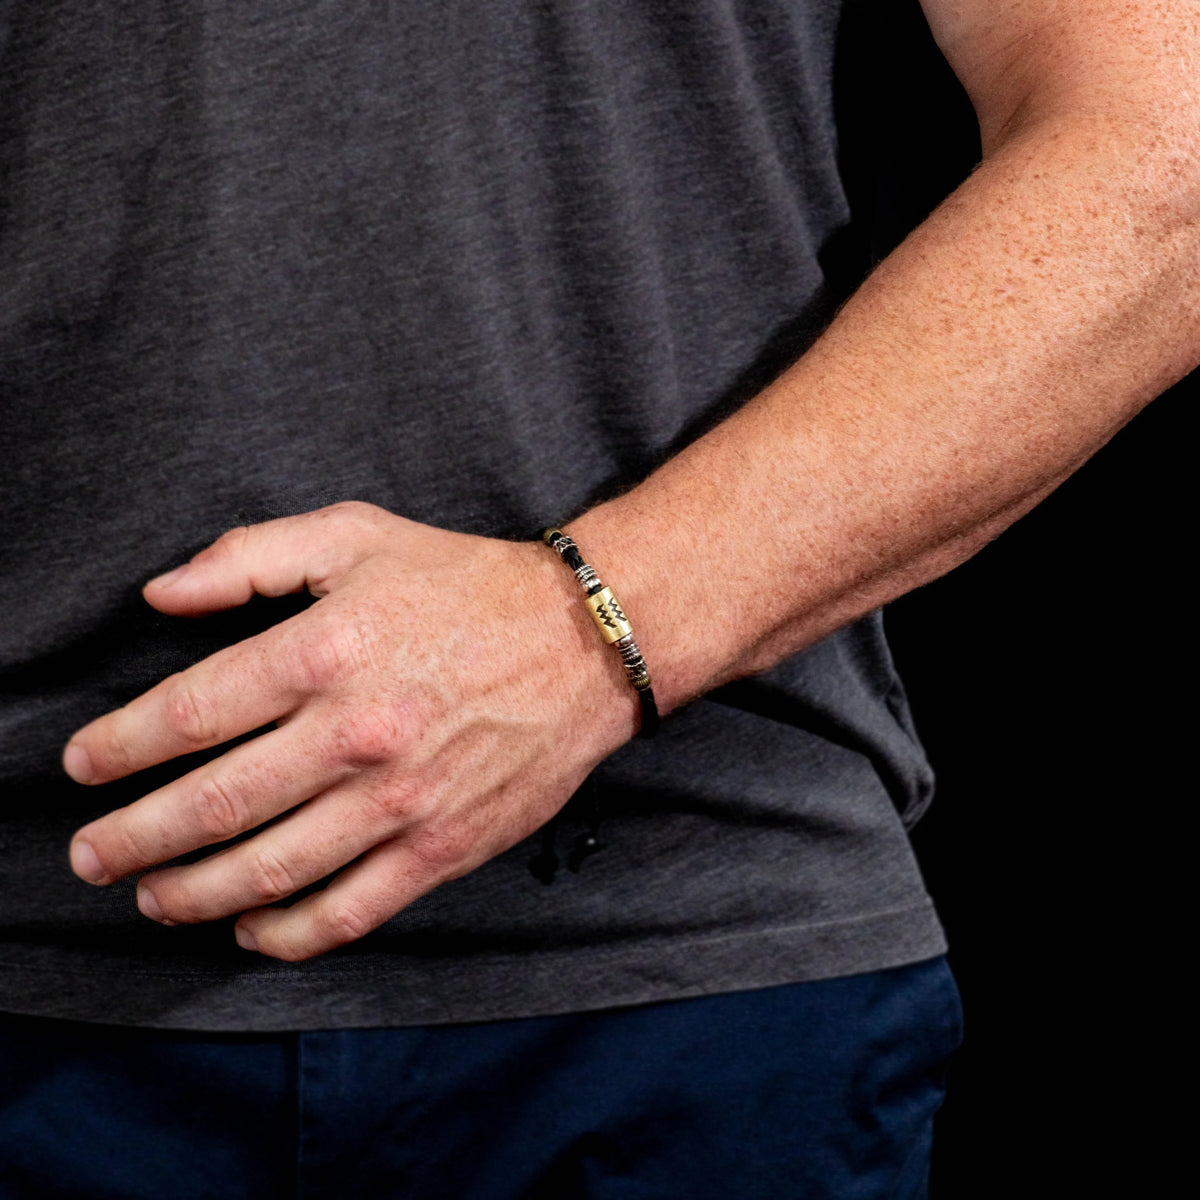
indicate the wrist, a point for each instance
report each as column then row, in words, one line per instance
column 631, row 555
column 586, row 672
column 611, row 623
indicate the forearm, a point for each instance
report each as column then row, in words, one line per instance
column 1047, row 300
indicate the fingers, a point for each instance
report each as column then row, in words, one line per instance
column 357, row 901
column 399, row 863
column 233, row 692
column 318, row 839
column 311, row 551
column 419, row 750
column 230, row 796
column 398, row 851
column 259, row 680
column 389, row 877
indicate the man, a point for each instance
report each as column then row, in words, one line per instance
column 489, row 270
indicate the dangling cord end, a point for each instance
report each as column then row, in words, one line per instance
column 588, row 842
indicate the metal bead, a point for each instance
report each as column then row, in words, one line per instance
column 611, row 619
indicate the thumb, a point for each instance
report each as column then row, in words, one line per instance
column 312, row 552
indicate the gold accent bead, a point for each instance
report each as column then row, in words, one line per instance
column 606, row 612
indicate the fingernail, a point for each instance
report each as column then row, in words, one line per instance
column 149, row 906
column 245, row 938
column 163, row 581
column 78, row 764
column 85, row 864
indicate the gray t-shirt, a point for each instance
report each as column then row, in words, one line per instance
column 483, row 264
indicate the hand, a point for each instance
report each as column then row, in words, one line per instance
column 439, row 703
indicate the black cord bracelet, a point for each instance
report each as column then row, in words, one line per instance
column 613, row 624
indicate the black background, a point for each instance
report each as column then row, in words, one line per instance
column 1041, row 674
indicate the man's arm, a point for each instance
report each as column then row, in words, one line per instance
column 1053, row 295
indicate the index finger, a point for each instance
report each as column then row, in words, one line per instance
column 232, row 692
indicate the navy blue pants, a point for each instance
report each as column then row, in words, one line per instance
column 810, row 1091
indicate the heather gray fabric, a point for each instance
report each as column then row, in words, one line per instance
column 482, row 264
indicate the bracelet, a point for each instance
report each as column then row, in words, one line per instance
column 613, row 624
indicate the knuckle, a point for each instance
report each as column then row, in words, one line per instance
column 341, row 921
column 125, row 848
column 270, row 877
column 220, row 810
column 189, row 714
column 357, row 511
column 392, row 802
column 231, row 543
column 111, row 752
column 369, row 738
column 334, row 654
column 440, row 852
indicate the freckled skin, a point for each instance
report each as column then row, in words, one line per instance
column 419, row 732
column 416, row 750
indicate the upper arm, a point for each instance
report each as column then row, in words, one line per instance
column 1024, row 59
